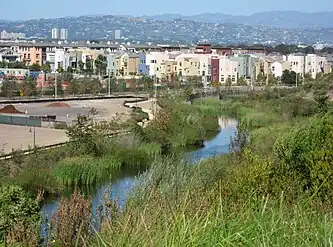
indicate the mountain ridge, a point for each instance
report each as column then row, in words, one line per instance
column 280, row 19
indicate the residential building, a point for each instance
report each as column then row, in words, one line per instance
column 308, row 64
column 297, row 63
column 143, row 67
column 117, row 34
column 246, row 65
column 63, row 34
column 8, row 55
column 31, row 55
column 111, row 67
column 127, row 64
column 5, row 35
column 215, row 68
column 55, row 33
column 168, row 70
column 277, row 67
column 228, row 69
column 154, row 60
column 187, row 65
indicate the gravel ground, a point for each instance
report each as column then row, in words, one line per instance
column 20, row 137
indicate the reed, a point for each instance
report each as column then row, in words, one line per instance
column 85, row 170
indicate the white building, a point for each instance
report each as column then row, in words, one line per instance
column 63, row 34
column 228, row 69
column 117, row 34
column 153, row 62
column 308, row 64
column 276, row 69
column 55, row 33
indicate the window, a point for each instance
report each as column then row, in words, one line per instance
column 235, row 69
column 273, row 68
column 180, row 64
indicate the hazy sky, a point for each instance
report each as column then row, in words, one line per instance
column 22, row 9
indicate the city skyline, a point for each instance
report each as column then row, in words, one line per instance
column 149, row 7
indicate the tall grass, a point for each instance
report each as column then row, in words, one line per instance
column 85, row 170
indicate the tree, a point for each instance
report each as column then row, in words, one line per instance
column 73, row 87
column 321, row 97
column 35, row 67
column 46, row 67
column 101, row 64
column 81, row 66
column 69, row 69
column 60, row 70
column 228, row 82
column 9, row 88
column 288, row 77
column 271, row 79
column 261, row 78
column 89, row 66
column 241, row 81
column 28, row 87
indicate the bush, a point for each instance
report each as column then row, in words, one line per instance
column 18, row 211
column 308, row 152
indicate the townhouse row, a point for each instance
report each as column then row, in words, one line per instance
column 211, row 65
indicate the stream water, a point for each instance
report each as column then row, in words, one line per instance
column 121, row 186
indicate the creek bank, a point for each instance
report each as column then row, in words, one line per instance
column 120, row 187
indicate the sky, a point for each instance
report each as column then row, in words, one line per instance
column 23, row 10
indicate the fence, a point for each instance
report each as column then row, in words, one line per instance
column 20, row 120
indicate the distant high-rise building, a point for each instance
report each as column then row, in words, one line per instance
column 55, row 33
column 64, row 34
column 117, row 34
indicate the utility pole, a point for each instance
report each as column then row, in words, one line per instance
column 34, row 136
column 109, row 86
column 55, row 86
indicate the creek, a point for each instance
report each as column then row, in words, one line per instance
column 120, row 187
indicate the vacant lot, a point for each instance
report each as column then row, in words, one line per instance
column 20, row 137
column 107, row 109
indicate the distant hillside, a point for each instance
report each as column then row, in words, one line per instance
column 175, row 30
column 281, row 19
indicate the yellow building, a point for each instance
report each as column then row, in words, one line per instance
column 127, row 65
column 187, row 66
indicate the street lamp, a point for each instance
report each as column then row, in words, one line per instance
column 34, row 131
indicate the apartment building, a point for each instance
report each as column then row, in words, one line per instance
column 127, row 64
column 31, row 55
column 143, row 68
column 228, row 70
column 8, row 55
column 111, row 64
column 246, row 65
column 153, row 62
column 308, row 64
column 187, row 65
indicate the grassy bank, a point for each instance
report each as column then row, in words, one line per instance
column 275, row 191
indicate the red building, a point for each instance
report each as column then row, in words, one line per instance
column 203, row 49
column 215, row 69
column 226, row 51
